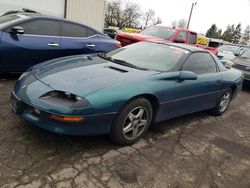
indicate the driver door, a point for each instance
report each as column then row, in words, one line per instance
column 202, row 93
column 40, row 42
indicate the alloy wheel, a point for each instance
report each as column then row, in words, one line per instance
column 135, row 123
column 225, row 100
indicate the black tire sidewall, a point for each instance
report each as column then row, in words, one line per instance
column 117, row 126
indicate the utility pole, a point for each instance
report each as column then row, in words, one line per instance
column 190, row 15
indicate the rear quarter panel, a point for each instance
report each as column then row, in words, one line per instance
column 232, row 78
column 106, row 44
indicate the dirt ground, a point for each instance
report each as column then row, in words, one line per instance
column 197, row 150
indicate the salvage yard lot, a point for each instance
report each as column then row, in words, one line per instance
column 197, row 150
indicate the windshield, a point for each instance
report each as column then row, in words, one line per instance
column 246, row 54
column 161, row 32
column 147, row 55
column 228, row 48
column 9, row 19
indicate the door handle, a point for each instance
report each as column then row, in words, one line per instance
column 90, row 45
column 53, row 44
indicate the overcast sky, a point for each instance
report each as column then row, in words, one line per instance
column 205, row 13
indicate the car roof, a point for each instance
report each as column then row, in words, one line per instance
column 173, row 28
column 38, row 15
column 187, row 47
column 237, row 45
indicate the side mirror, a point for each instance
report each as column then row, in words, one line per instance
column 223, row 61
column 241, row 51
column 187, row 75
column 180, row 40
column 227, row 63
column 17, row 30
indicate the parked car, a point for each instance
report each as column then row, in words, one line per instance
column 24, row 10
column 230, row 51
column 242, row 63
column 122, row 92
column 163, row 34
column 27, row 39
column 111, row 32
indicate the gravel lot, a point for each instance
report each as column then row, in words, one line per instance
column 197, row 150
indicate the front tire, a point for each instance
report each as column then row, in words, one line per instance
column 132, row 122
column 222, row 103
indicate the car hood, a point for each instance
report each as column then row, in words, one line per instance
column 226, row 55
column 241, row 60
column 82, row 76
column 140, row 37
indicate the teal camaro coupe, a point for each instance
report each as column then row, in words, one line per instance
column 121, row 93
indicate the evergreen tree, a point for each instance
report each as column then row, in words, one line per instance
column 212, row 32
column 246, row 35
column 219, row 34
column 237, row 34
column 228, row 34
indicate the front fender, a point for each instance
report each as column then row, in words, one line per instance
column 0, row 37
column 111, row 99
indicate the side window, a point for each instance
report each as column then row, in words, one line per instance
column 200, row 63
column 192, row 39
column 90, row 32
column 42, row 27
column 75, row 30
column 182, row 35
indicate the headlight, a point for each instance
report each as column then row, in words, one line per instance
column 227, row 63
column 24, row 74
column 27, row 72
column 65, row 99
column 230, row 63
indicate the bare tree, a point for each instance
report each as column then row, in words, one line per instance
column 149, row 17
column 182, row 23
column 112, row 12
column 131, row 15
column 158, row 21
column 116, row 15
column 174, row 23
column 128, row 15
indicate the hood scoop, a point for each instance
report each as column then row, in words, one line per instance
column 116, row 69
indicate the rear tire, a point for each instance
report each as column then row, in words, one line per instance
column 132, row 122
column 222, row 103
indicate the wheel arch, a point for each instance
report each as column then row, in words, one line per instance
column 154, row 101
column 233, row 88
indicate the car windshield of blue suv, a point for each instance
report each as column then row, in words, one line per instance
column 9, row 19
column 148, row 55
column 246, row 54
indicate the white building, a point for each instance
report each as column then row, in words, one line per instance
column 90, row 12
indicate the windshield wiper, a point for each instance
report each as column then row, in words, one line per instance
column 125, row 63
column 102, row 55
column 120, row 62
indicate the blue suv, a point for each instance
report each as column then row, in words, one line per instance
column 27, row 39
